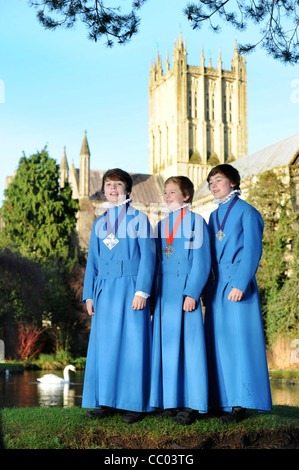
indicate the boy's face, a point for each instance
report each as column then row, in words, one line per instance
column 173, row 196
column 220, row 186
column 115, row 191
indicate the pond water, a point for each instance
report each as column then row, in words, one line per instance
column 23, row 390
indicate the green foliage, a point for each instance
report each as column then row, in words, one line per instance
column 278, row 273
column 38, row 255
column 64, row 308
column 58, row 361
column 100, row 20
column 39, row 219
column 21, row 280
column 282, row 308
column 38, row 293
column 278, row 23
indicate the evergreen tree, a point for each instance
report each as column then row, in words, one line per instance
column 277, row 20
column 282, row 307
column 278, row 31
column 38, row 263
column 278, row 272
column 39, row 219
column 21, row 281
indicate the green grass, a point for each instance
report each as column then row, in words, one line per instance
column 67, row 428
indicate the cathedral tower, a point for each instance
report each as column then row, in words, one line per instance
column 197, row 115
column 84, row 173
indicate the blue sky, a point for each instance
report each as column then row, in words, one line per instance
column 55, row 85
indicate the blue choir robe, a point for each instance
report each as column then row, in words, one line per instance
column 179, row 368
column 117, row 372
column 236, row 353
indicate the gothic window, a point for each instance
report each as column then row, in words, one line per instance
column 207, row 108
column 189, row 105
column 208, row 141
column 167, row 146
column 160, row 146
column 153, row 147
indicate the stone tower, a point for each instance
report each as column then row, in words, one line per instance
column 197, row 115
column 84, row 173
column 63, row 170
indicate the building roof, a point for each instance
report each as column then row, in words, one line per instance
column 147, row 189
column 279, row 154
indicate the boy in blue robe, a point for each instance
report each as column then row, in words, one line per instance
column 237, row 364
column 118, row 280
column 179, row 383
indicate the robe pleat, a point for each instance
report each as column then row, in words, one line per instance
column 118, row 364
column 236, row 353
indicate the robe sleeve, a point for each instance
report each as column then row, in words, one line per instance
column 147, row 261
column 253, row 226
column 201, row 260
column 91, row 266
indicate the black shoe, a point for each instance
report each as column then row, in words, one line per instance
column 168, row 413
column 132, row 417
column 101, row 413
column 185, row 416
column 235, row 416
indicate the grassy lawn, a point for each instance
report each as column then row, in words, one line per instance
column 67, row 428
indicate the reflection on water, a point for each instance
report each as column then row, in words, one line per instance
column 23, row 390
column 285, row 392
column 53, row 394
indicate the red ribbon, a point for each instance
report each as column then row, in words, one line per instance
column 169, row 238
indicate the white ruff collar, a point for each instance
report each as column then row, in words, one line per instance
column 228, row 197
column 108, row 204
column 166, row 209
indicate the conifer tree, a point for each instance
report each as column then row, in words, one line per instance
column 39, row 219
column 278, row 273
column 277, row 21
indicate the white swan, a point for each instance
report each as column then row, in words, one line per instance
column 55, row 379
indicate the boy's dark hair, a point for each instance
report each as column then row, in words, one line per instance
column 227, row 170
column 116, row 174
column 185, row 184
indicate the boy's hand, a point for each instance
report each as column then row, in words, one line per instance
column 235, row 294
column 189, row 304
column 89, row 307
column 138, row 302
